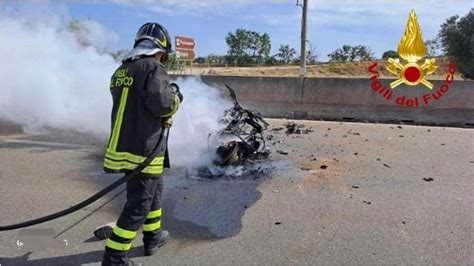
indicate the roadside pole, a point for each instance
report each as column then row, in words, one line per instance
column 303, row 38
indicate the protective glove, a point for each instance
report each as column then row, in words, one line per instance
column 176, row 91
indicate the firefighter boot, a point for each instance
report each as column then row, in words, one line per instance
column 111, row 260
column 105, row 231
column 151, row 247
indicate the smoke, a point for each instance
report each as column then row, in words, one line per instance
column 50, row 79
column 198, row 116
column 91, row 33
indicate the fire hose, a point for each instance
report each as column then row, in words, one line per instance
column 98, row 195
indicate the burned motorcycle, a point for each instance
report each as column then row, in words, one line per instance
column 242, row 139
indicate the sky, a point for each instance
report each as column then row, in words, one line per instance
column 378, row 24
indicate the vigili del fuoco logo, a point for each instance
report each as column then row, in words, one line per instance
column 411, row 69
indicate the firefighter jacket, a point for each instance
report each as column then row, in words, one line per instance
column 142, row 99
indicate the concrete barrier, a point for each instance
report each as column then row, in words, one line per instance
column 340, row 99
column 350, row 99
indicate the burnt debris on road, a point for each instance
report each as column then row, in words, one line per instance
column 240, row 143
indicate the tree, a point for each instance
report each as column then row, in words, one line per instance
column 172, row 63
column 216, row 59
column 199, row 60
column 245, row 47
column 390, row 54
column 263, row 45
column 433, row 47
column 271, row 61
column 311, row 55
column 285, row 54
column 351, row 53
column 457, row 40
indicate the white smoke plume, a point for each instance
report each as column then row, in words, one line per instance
column 48, row 79
column 199, row 115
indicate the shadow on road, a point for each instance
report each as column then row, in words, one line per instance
column 93, row 257
column 209, row 209
column 194, row 210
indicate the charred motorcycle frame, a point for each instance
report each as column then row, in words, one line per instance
column 242, row 139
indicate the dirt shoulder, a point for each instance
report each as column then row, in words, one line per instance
column 326, row 70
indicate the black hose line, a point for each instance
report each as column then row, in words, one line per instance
column 96, row 196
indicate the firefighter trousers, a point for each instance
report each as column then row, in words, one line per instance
column 143, row 207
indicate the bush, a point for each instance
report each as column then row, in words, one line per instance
column 390, row 54
column 457, row 39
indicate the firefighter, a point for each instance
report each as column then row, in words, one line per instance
column 143, row 102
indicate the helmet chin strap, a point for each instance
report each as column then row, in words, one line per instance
column 164, row 58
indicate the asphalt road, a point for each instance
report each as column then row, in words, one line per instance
column 345, row 194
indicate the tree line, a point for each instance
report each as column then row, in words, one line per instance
column 455, row 40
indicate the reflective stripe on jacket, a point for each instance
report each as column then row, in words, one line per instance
column 142, row 98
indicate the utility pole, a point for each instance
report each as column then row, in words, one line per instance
column 304, row 7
